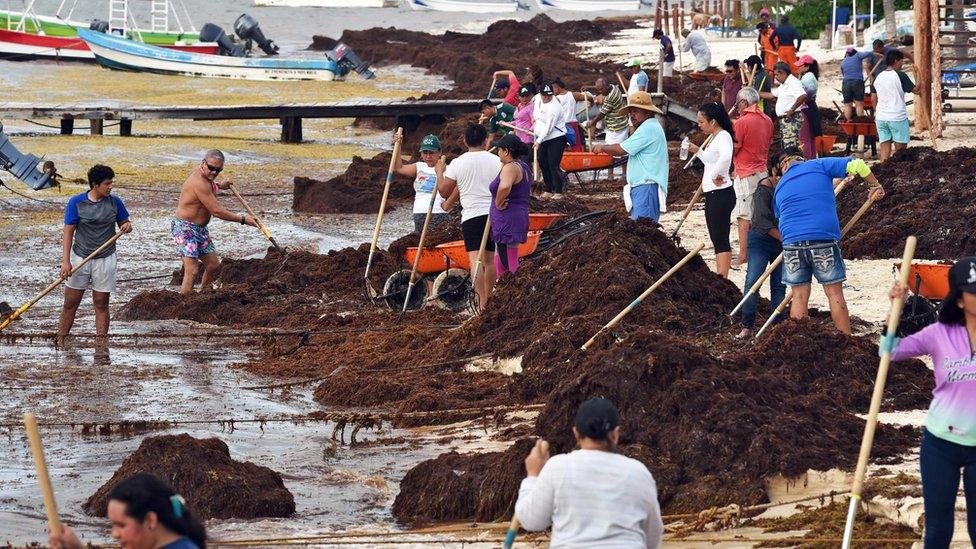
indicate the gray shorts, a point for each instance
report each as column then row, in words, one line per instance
column 97, row 274
column 745, row 190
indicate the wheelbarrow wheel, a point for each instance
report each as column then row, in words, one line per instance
column 917, row 313
column 395, row 291
column 453, row 290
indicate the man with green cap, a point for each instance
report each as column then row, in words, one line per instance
column 424, row 182
column 494, row 114
column 638, row 78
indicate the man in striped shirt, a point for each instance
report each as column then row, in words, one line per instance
column 618, row 127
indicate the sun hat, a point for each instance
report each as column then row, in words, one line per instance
column 430, row 143
column 640, row 100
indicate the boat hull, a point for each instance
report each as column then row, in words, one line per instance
column 464, row 7
column 588, row 5
column 323, row 3
column 52, row 26
column 25, row 46
column 117, row 53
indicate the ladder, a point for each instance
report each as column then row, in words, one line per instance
column 159, row 15
column 118, row 12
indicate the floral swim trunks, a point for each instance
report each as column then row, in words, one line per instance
column 192, row 240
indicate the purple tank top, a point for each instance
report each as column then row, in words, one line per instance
column 511, row 225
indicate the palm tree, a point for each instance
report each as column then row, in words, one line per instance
column 891, row 30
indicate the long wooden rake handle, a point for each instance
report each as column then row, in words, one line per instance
column 247, row 207
column 894, row 315
column 633, row 304
column 386, row 194
column 37, row 450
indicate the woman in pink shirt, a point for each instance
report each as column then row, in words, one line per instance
column 949, row 438
column 523, row 113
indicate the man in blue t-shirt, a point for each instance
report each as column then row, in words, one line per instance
column 647, row 158
column 852, row 85
column 806, row 208
column 90, row 219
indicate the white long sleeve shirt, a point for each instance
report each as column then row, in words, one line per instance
column 717, row 158
column 549, row 120
column 593, row 499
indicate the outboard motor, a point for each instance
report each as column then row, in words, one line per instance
column 24, row 166
column 349, row 61
column 246, row 28
column 98, row 25
column 212, row 33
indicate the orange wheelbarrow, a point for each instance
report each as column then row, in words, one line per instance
column 928, row 282
column 448, row 268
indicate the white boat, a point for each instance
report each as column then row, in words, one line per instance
column 590, row 5
column 118, row 53
column 326, row 3
column 464, row 6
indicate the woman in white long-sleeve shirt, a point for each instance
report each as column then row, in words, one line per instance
column 716, row 181
column 592, row 497
column 550, row 137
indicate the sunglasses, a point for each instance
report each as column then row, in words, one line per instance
column 213, row 169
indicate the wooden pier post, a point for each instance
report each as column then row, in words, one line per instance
column 67, row 126
column 125, row 127
column 97, row 126
column 291, row 129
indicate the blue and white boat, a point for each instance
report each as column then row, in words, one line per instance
column 115, row 52
column 465, row 6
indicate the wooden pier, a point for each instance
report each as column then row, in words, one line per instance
column 290, row 115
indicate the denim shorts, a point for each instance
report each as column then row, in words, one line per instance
column 898, row 132
column 814, row 258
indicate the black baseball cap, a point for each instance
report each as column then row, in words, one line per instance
column 962, row 275
column 525, row 90
column 596, row 418
column 547, row 90
column 510, row 142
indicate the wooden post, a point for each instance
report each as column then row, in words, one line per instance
column 923, row 74
column 67, row 126
column 97, row 126
column 936, row 60
column 125, row 127
column 657, row 14
column 291, row 129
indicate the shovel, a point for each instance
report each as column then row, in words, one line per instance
column 264, row 230
column 420, row 249
column 894, row 315
column 379, row 216
column 23, row 308
column 481, row 259
column 633, row 304
column 37, row 450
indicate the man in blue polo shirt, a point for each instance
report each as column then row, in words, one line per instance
column 90, row 219
column 806, row 208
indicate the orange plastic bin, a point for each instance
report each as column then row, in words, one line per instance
column 542, row 221
column 583, row 161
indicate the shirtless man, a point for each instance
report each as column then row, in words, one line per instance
column 198, row 203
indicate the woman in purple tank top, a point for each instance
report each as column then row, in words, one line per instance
column 509, row 213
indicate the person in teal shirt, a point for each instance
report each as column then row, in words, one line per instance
column 647, row 158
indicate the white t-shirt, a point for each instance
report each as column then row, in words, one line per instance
column 787, row 93
column 717, row 158
column 474, row 171
column 891, row 98
column 568, row 103
column 425, row 184
column 592, row 499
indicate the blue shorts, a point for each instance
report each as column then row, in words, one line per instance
column 646, row 202
column 814, row 258
column 893, row 131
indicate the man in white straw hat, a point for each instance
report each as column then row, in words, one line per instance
column 647, row 160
